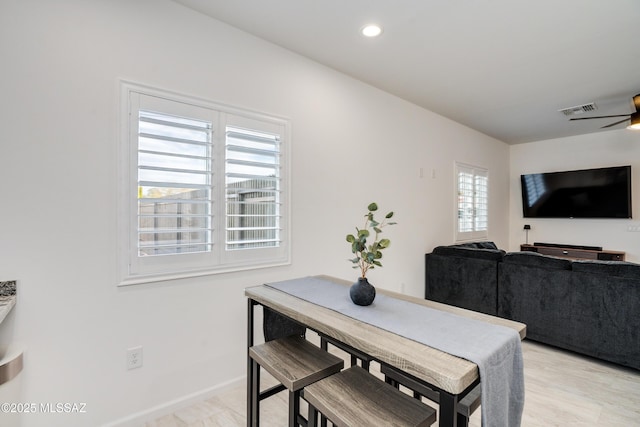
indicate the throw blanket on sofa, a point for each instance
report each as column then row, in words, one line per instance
column 495, row 349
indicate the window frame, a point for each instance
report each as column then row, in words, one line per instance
column 133, row 269
column 474, row 234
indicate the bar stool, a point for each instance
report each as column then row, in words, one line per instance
column 466, row 406
column 295, row 363
column 355, row 398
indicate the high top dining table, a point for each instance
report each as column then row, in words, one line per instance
column 452, row 376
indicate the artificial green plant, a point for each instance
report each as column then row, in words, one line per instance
column 368, row 256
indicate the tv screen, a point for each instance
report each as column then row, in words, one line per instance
column 589, row 193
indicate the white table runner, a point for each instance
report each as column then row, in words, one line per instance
column 495, row 349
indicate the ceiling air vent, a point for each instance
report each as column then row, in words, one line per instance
column 579, row 109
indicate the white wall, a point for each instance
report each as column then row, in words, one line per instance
column 612, row 148
column 352, row 144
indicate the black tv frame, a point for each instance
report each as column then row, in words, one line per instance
column 565, row 206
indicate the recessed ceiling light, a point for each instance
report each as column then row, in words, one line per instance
column 371, row 30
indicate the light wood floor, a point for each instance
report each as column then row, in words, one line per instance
column 562, row 389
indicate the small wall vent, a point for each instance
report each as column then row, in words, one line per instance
column 579, row 109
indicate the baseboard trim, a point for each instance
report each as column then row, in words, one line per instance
column 140, row 418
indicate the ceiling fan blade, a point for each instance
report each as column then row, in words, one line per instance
column 613, row 124
column 601, row 117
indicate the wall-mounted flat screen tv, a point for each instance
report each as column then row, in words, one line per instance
column 588, row 193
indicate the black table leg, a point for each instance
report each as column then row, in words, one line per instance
column 255, row 402
column 252, row 392
column 448, row 409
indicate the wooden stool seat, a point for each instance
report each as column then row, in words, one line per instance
column 355, row 398
column 466, row 406
column 295, row 363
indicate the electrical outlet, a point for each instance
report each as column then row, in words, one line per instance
column 134, row 357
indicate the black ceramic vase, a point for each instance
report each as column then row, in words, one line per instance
column 362, row 292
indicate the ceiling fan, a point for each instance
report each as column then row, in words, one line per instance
column 633, row 117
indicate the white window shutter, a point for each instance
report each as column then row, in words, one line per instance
column 472, row 202
column 174, row 185
column 253, row 189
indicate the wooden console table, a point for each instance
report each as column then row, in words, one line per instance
column 574, row 251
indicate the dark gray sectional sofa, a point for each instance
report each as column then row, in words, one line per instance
column 590, row 307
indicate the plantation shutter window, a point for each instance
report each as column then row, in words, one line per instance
column 203, row 188
column 472, row 208
column 252, row 189
column 174, row 185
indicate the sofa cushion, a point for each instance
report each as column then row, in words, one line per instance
column 479, row 245
column 533, row 259
column 627, row 270
column 469, row 252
